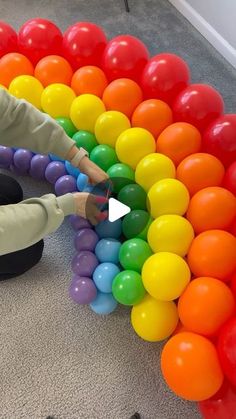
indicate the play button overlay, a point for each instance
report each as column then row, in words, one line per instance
column 117, row 210
column 126, row 201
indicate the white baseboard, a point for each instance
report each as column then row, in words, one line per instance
column 218, row 42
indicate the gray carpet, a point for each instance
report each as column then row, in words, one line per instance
column 58, row 358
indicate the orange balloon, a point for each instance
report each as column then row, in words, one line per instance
column 191, row 367
column 153, row 115
column 178, row 141
column 122, row 95
column 53, row 69
column 199, row 171
column 213, row 253
column 205, row 305
column 13, row 65
column 89, row 79
column 212, row 208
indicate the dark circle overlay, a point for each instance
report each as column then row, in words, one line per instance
column 126, row 191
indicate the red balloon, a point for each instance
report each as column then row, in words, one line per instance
column 222, row 405
column 38, row 38
column 232, row 228
column 227, row 349
column 125, row 57
column 164, row 76
column 83, row 44
column 8, row 39
column 229, row 181
column 220, row 139
column 232, row 285
column 198, row 104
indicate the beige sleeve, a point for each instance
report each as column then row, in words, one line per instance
column 23, row 224
column 24, row 126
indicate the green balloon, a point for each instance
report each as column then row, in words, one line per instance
column 134, row 196
column 133, row 254
column 104, row 156
column 127, row 288
column 136, row 224
column 85, row 139
column 68, row 126
column 121, row 175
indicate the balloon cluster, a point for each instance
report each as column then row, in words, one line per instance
column 173, row 150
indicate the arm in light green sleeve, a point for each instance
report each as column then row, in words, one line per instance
column 24, row 126
column 23, row 224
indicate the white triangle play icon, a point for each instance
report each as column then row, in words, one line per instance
column 116, row 209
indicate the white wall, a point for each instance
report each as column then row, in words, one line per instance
column 221, row 14
column 215, row 20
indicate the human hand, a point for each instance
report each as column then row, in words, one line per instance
column 86, row 166
column 87, row 206
column 94, row 173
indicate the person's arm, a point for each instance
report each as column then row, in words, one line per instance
column 23, row 224
column 24, row 126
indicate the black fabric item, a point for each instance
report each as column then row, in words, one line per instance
column 16, row 263
column 10, row 190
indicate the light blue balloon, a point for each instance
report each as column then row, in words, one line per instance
column 107, row 229
column 56, row 158
column 71, row 170
column 107, row 250
column 104, row 275
column 82, row 182
column 104, row 303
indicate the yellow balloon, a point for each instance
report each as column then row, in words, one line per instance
column 134, row 144
column 57, row 99
column 85, row 111
column 109, row 126
column 168, row 196
column 165, row 276
column 3, row 87
column 154, row 320
column 28, row 88
column 152, row 168
column 170, row 233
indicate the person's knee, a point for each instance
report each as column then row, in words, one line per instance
column 10, row 190
column 17, row 263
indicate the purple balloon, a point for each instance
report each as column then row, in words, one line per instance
column 86, row 239
column 84, row 263
column 6, row 156
column 38, row 166
column 82, row 290
column 78, row 222
column 65, row 184
column 22, row 159
column 54, row 171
